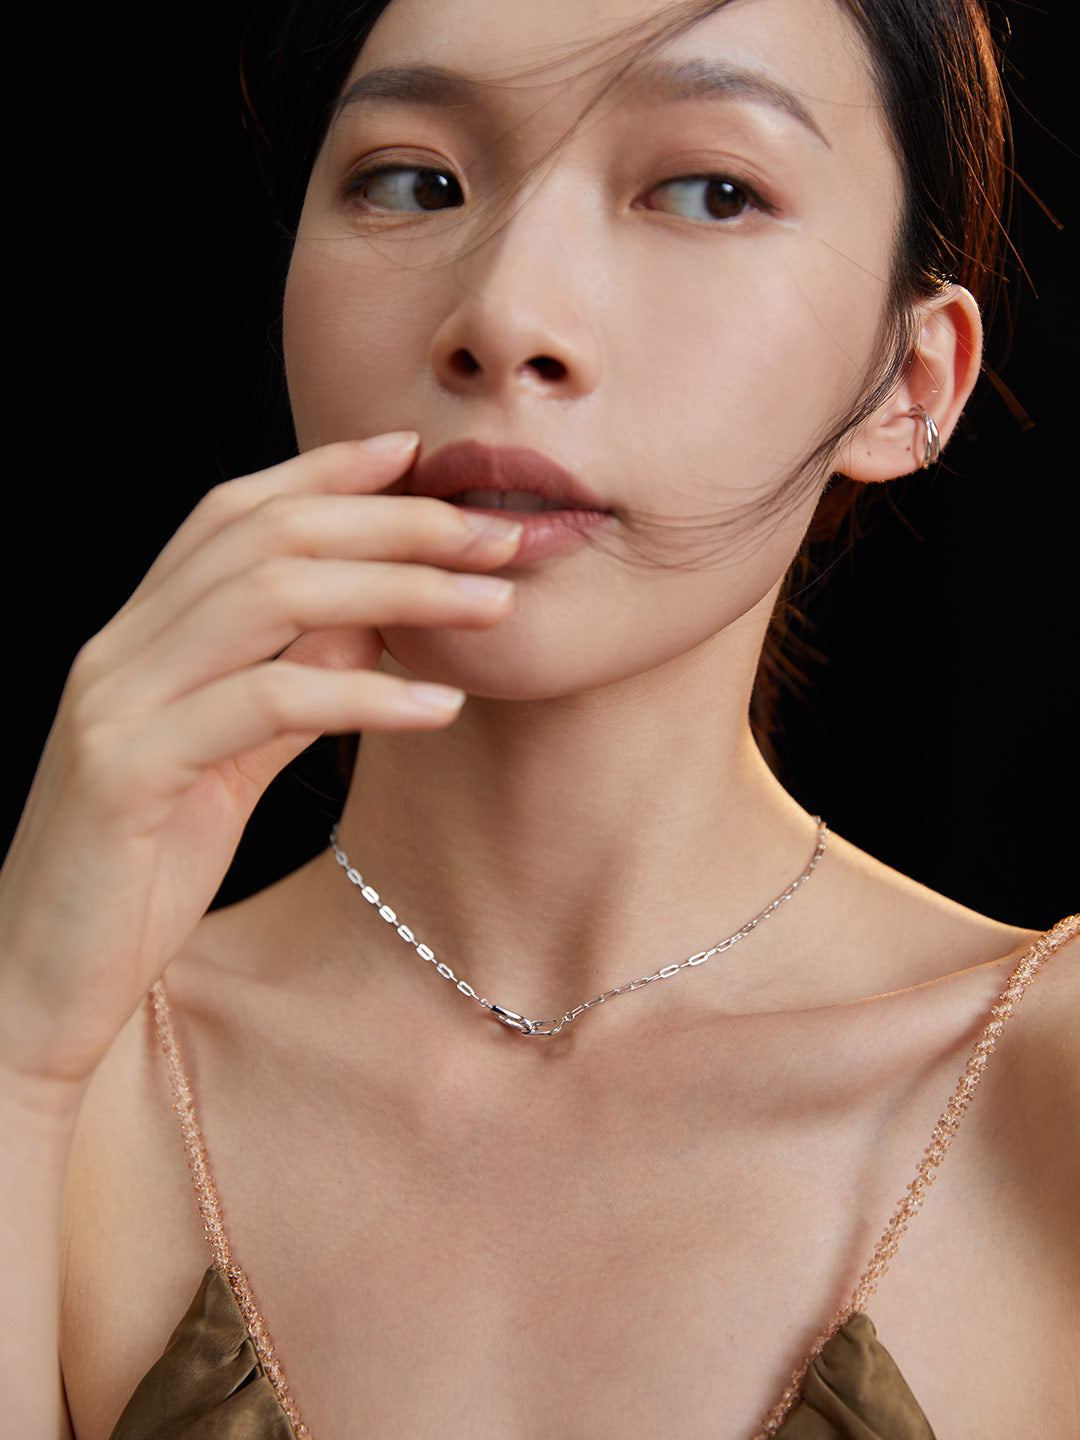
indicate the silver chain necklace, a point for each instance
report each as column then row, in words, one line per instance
column 517, row 1022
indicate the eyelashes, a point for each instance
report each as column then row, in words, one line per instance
column 391, row 187
column 709, row 198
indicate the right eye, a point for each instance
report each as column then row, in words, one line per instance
column 405, row 189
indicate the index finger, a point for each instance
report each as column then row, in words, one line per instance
column 345, row 467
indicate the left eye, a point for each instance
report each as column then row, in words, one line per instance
column 702, row 197
column 405, row 188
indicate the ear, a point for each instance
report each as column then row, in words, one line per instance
column 939, row 376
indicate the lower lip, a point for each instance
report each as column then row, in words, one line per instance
column 548, row 532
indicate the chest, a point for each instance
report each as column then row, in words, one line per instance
column 586, row 1276
column 649, row 1255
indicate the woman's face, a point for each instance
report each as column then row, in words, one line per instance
column 701, row 260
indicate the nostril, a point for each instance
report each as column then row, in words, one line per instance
column 464, row 363
column 549, row 368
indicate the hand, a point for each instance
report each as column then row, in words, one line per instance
column 255, row 631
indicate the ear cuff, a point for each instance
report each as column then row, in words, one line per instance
column 932, row 453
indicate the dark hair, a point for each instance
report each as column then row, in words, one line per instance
column 936, row 71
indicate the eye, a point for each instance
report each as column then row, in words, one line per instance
column 704, row 197
column 405, row 189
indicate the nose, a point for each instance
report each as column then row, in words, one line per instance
column 523, row 305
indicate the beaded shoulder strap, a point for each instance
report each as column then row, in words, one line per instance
column 941, row 1138
column 210, row 1209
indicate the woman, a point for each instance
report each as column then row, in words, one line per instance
column 667, row 269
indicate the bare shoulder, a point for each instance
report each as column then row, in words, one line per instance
column 133, row 1249
column 876, row 931
column 1043, row 1058
column 1034, row 1154
column 997, row 1243
column 937, row 939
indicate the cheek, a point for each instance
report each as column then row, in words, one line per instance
column 348, row 356
column 593, row 622
column 755, row 348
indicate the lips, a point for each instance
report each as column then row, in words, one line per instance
column 469, row 465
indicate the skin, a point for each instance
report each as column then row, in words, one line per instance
column 763, row 326
column 640, row 1228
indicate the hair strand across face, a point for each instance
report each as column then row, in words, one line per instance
column 935, row 68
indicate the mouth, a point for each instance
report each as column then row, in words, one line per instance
column 523, row 502
column 489, row 477
column 557, row 510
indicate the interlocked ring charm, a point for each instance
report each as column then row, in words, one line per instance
column 512, row 1020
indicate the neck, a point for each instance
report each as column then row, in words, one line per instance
column 549, row 850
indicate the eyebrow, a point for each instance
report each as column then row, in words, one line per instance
column 656, row 81
column 407, row 85
column 665, row 80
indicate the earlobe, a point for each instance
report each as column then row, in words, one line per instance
column 909, row 430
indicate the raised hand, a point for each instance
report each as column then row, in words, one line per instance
column 256, row 630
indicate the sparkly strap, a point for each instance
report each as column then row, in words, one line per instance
column 941, row 1138
column 210, row 1209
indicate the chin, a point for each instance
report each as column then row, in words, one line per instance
column 490, row 666
column 506, row 664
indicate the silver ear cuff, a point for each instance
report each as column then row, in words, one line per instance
column 932, row 454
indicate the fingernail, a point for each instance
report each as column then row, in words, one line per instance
column 494, row 527
column 436, row 697
column 484, row 587
column 392, row 440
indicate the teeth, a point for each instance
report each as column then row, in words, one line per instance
column 506, row 500
column 522, row 500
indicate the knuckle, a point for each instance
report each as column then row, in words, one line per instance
column 417, row 525
column 222, row 502
column 450, row 522
column 79, row 712
column 422, row 586
column 440, row 519
column 272, row 583
column 446, row 585
column 97, row 738
column 274, row 693
column 90, row 665
column 279, row 523
column 430, row 588
column 99, row 755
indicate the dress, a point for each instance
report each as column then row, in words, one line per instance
column 220, row 1379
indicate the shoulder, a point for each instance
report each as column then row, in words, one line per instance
column 1031, row 1137
column 1035, row 1151
column 894, row 932
column 1044, row 1056
column 960, row 962
column 133, row 1247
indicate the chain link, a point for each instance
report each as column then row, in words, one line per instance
column 511, row 1018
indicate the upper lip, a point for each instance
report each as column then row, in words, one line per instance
column 470, row 465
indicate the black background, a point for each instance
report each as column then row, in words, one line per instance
column 941, row 734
